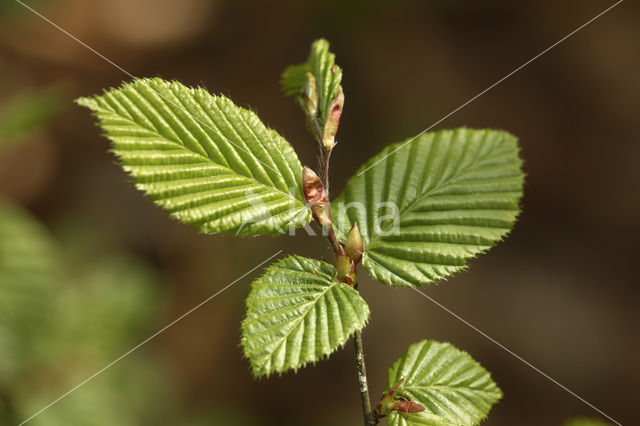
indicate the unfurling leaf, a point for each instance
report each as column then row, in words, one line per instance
column 447, row 382
column 208, row 162
column 326, row 76
column 426, row 206
column 310, row 95
column 298, row 313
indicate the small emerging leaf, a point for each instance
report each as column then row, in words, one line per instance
column 446, row 381
column 298, row 313
column 326, row 74
column 427, row 206
column 206, row 161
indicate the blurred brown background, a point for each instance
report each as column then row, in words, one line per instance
column 562, row 291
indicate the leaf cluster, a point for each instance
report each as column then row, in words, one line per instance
column 424, row 207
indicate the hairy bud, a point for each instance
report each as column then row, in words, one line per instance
column 343, row 266
column 316, row 196
column 322, row 213
column 353, row 247
column 387, row 403
column 406, row 407
column 314, row 191
column 333, row 121
column 309, row 99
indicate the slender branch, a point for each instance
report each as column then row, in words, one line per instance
column 335, row 244
column 326, row 156
column 369, row 419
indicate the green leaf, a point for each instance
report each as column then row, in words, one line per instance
column 446, row 381
column 293, row 79
column 426, row 206
column 208, row 162
column 298, row 313
column 419, row 419
column 585, row 421
column 321, row 64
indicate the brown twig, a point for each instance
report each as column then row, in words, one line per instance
column 369, row 418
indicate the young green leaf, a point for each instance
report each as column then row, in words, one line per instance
column 426, row 206
column 208, row 162
column 327, row 76
column 446, row 381
column 298, row 313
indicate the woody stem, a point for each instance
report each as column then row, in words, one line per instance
column 369, row 418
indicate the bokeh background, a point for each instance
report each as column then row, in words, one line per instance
column 103, row 268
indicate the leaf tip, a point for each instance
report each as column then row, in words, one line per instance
column 86, row 101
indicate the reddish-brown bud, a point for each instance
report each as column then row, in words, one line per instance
column 316, row 196
column 314, row 191
column 354, row 247
column 332, row 122
column 386, row 402
column 406, row 407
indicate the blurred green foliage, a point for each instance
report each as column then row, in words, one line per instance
column 69, row 307
column 9, row 7
column 585, row 421
column 27, row 112
column 66, row 311
column 66, row 315
column 27, row 264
